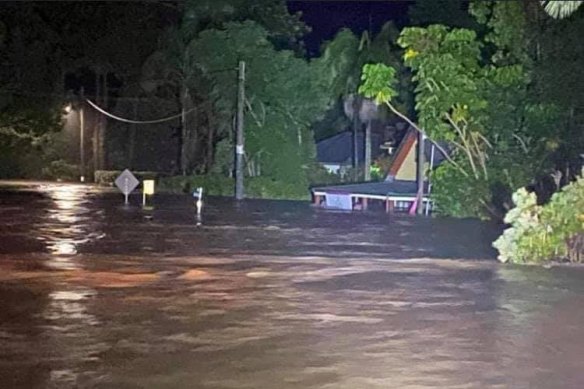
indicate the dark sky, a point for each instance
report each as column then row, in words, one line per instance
column 327, row 17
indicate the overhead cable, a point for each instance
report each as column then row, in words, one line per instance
column 166, row 119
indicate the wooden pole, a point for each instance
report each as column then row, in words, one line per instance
column 103, row 125
column 367, row 163
column 433, row 150
column 239, row 146
column 184, row 130
column 82, row 137
column 96, row 121
column 420, row 175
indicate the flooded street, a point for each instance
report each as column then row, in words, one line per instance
column 267, row 294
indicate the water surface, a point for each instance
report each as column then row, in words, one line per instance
column 264, row 294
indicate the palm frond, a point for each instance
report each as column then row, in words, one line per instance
column 561, row 9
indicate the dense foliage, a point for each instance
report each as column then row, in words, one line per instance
column 284, row 95
column 221, row 185
column 481, row 94
column 540, row 233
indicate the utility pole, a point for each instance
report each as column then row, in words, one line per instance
column 239, row 146
column 420, row 174
column 184, row 130
column 355, row 107
column 103, row 125
column 368, row 151
column 82, row 137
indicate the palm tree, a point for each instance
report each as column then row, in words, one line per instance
column 560, row 9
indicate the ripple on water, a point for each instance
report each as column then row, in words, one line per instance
column 133, row 304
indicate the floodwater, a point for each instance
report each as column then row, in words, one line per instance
column 95, row 294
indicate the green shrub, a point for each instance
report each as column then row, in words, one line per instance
column 554, row 231
column 219, row 185
column 60, row 170
column 457, row 195
column 267, row 188
column 318, row 175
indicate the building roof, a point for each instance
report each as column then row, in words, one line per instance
column 405, row 147
column 383, row 188
column 339, row 148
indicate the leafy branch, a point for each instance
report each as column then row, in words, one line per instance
column 377, row 84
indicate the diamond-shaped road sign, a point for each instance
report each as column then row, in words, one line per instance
column 126, row 183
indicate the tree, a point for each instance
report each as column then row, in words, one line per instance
column 174, row 71
column 350, row 54
column 284, row 95
column 49, row 47
column 101, row 59
column 478, row 102
column 29, row 107
column 446, row 12
column 561, row 9
column 558, row 81
column 285, row 30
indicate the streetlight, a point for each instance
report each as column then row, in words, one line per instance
column 78, row 106
column 81, row 141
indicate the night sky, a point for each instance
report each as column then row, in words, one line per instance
column 326, row 18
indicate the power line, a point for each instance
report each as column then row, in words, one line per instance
column 65, row 96
column 166, row 119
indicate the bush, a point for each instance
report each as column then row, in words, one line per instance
column 267, row 188
column 219, row 185
column 554, row 231
column 457, row 195
column 319, row 175
column 214, row 185
column 61, row 170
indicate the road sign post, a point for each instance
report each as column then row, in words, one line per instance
column 147, row 190
column 126, row 183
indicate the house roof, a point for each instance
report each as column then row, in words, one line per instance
column 406, row 145
column 339, row 148
column 409, row 141
column 382, row 188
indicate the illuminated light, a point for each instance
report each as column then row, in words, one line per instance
column 149, row 187
column 64, row 248
column 72, row 295
column 64, row 237
column 68, row 108
column 63, row 263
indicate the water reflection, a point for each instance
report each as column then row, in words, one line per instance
column 337, row 301
column 68, row 224
column 69, row 324
column 67, row 309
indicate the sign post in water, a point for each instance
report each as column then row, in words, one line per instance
column 198, row 194
column 126, row 183
column 147, row 190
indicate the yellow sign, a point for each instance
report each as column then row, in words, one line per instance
column 149, row 187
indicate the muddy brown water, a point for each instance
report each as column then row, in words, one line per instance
column 267, row 294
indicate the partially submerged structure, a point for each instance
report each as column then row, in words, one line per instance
column 399, row 189
column 336, row 153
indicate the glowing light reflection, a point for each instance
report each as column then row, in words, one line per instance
column 65, row 229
